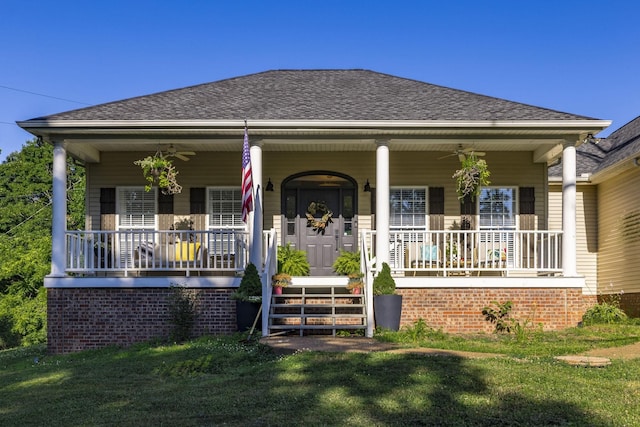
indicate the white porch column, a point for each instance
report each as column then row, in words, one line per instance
column 59, row 211
column 382, row 203
column 255, row 218
column 569, row 262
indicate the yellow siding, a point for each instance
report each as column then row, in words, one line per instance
column 406, row 168
column 586, row 230
column 619, row 228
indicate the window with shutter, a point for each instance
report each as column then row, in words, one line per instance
column 136, row 211
column 224, row 208
column 408, row 208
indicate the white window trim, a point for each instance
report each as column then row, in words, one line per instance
column 426, row 207
column 208, row 209
column 118, row 206
column 516, row 215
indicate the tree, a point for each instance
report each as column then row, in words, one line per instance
column 25, row 237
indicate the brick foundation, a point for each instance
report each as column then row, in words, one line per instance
column 88, row 318
column 459, row 310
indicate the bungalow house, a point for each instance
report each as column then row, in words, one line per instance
column 374, row 153
column 608, row 214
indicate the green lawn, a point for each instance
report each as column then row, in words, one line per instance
column 223, row 381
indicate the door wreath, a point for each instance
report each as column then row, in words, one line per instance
column 318, row 225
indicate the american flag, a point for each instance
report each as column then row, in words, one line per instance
column 247, row 182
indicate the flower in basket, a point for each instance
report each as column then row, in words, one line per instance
column 355, row 281
column 281, row 280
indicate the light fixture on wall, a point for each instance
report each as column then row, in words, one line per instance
column 269, row 186
column 367, row 187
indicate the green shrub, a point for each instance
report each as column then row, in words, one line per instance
column 250, row 288
column 292, row 261
column 605, row 312
column 182, row 312
column 383, row 283
column 498, row 314
column 347, row 263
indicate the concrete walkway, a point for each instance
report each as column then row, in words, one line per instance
column 288, row 344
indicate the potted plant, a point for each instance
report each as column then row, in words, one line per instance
column 279, row 281
column 248, row 298
column 159, row 170
column 473, row 174
column 387, row 305
column 292, row 261
column 347, row 263
column 355, row 283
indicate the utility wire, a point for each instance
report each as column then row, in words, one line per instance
column 41, row 94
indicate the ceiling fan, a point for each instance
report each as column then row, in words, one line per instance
column 182, row 155
column 462, row 153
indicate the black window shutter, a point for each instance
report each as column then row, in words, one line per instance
column 436, row 200
column 468, row 206
column 527, row 200
column 197, row 200
column 165, row 203
column 107, row 201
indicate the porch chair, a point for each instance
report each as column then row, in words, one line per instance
column 178, row 255
column 491, row 254
column 428, row 257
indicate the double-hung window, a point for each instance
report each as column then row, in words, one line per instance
column 408, row 217
column 224, row 211
column 497, row 216
column 408, row 208
column 137, row 220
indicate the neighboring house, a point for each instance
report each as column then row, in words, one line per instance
column 378, row 150
column 608, row 214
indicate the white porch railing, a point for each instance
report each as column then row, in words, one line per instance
column 456, row 252
column 89, row 252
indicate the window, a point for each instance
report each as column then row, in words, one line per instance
column 225, row 208
column 136, row 209
column 497, row 208
column 408, row 208
column 497, row 212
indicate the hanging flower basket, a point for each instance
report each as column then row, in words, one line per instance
column 159, row 171
column 473, row 174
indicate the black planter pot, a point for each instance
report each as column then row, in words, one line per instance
column 246, row 313
column 387, row 310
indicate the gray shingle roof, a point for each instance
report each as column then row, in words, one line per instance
column 315, row 95
column 619, row 146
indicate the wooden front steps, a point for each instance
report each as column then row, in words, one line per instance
column 317, row 309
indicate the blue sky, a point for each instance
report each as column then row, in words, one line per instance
column 581, row 57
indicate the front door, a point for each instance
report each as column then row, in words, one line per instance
column 319, row 218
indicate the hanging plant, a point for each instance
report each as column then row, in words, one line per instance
column 159, row 170
column 473, row 174
column 318, row 225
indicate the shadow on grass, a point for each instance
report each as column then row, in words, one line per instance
column 384, row 389
column 222, row 382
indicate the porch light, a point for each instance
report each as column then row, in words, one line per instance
column 367, row 187
column 269, row 186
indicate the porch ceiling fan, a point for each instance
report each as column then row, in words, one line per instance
column 182, row 155
column 462, row 153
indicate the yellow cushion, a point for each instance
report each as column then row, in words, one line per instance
column 186, row 251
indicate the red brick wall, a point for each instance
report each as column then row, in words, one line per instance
column 80, row 319
column 459, row 310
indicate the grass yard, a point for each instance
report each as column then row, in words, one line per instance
column 223, row 381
